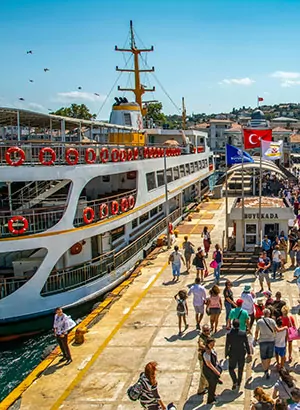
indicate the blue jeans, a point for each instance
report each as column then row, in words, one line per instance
column 275, row 267
column 176, row 269
column 228, row 308
column 217, row 272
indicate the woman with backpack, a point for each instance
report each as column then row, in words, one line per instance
column 145, row 390
column 211, row 369
column 182, row 309
column 206, row 240
column 217, row 262
column 200, row 263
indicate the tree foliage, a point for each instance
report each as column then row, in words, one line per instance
column 154, row 112
column 80, row 111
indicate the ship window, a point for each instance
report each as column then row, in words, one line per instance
column 182, row 173
column 176, row 173
column 169, row 175
column 117, row 233
column 135, row 223
column 187, row 169
column 151, row 182
column 144, row 218
column 153, row 212
column 200, row 164
column 203, row 163
column 160, row 208
column 192, row 167
column 127, row 119
column 160, row 178
column 196, row 166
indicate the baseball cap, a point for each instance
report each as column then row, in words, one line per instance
column 239, row 302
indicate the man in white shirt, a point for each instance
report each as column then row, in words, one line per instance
column 175, row 258
column 199, row 298
column 61, row 327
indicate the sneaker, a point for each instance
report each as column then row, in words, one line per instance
column 186, row 327
column 69, row 361
column 197, row 326
column 63, row 359
column 201, row 393
column 267, row 374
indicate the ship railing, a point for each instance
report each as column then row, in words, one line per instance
column 32, row 152
column 10, row 285
column 76, row 276
column 95, row 206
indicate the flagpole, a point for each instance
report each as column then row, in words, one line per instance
column 243, row 193
column 226, row 197
column 260, row 194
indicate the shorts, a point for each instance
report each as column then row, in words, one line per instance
column 175, row 269
column 199, row 309
column 187, row 256
column 181, row 314
column 200, row 267
column 266, row 350
column 281, row 351
column 215, row 311
column 264, row 275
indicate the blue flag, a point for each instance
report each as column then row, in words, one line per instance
column 235, row 155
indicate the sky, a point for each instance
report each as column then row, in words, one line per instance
column 218, row 54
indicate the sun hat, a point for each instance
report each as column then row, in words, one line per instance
column 247, row 288
column 267, row 293
column 260, row 301
column 239, row 302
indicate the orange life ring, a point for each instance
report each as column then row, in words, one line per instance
column 103, row 210
column 135, row 153
column 154, row 150
column 114, row 207
column 124, row 204
column 131, row 202
column 123, row 155
column 129, row 154
column 88, row 210
column 168, row 152
column 146, row 152
column 49, row 151
column 14, row 219
column 87, row 158
column 171, row 228
column 104, row 155
column 72, row 152
column 150, row 152
column 76, row 248
column 115, row 155
column 21, row 155
column 162, row 152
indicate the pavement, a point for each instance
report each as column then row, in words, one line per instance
column 142, row 326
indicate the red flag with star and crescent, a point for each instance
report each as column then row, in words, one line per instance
column 253, row 137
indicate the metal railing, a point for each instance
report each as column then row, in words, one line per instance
column 10, row 285
column 95, row 205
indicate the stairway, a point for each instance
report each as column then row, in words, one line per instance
column 239, row 263
column 36, row 192
column 235, row 184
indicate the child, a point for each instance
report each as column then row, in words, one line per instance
column 280, row 344
column 182, row 309
column 297, row 276
column 259, row 308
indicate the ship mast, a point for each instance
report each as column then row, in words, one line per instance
column 139, row 89
column 183, row 115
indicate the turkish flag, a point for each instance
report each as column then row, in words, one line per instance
column 260, row 98
column 253, row 137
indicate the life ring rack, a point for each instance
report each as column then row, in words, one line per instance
column 49, row 151
column 14, row 219
column 21, row 155
column 88, row 210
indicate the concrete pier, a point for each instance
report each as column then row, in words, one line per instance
column 141, row 327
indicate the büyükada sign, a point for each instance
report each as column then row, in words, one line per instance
column 263, row 216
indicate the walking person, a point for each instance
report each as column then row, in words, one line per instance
column 228, row 298
column 236, row 348
column 259, row 309
column 288, row 321
column 296, row 249
column 240, row 314
column 200, row 263
column 284, row 386
column 280, row 343
column 276, row 262
column 199, row 300
column 206, row 240
column 150, row 398
column 211, row 369
column 175, row 258
column 214, row 306
column 263, row 272
column 277, row 305
column 264, row 401
column 266, row 245
column 203, row 337
column 61, row 327
column 217, row 260
column 283, row 250
column 297, row 276
column 188, row 248
column 248, row 303
column 182, row 309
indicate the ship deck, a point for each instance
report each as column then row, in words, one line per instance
column 141, row 326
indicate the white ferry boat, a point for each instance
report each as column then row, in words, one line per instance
column 77, row 213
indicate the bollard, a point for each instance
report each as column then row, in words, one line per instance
column 79, row 335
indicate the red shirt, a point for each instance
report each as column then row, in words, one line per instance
column 259, row 310
column 288, row 321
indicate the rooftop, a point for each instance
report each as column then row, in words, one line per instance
column 284, row 119
column 234, row 127
column 220, row 121
column 266, row 202
column 280, row 129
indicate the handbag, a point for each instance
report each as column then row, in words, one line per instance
column 213, row 264
column 293, row 333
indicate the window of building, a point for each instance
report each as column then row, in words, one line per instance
column 181, row 169
column 160, row 178
column 176, row 173
column 135, row 223
column 144, row 218
column 153, row 212
column 187, row 169
column 169, row 175
column 117, row 233
column 192, row 167
column 196, row 166
column 127, row 119
column 151, row 182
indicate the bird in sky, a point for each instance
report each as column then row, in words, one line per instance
column 97, row 94
column 31, row 81
column 29, row 52
column 79, row 88
column 21, row 99
column 46, row 69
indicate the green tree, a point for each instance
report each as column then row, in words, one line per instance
column 154, row 111
column 79, row 111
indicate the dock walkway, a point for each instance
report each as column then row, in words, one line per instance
column 142, row 326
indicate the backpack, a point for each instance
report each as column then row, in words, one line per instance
column 180, row 306
column 135, row 391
